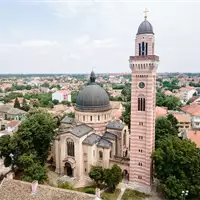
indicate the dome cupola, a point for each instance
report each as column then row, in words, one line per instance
column 145, row 27
column 93, row 97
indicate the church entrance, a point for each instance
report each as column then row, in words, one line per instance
column 125, row 176
column 68, row 169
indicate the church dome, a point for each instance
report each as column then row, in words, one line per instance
column 145, row 28
column 92, row 97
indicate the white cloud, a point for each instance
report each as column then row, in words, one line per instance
column 59, row 15
column 83, row 40
column 74, row 56
column 69, row 9
column 38, row 43
column 105, row 43
column 86, row 42
column 31, row 43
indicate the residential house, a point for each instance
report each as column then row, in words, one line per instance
column 9, row 112
column 161, row 111
column 184, row 120
column 62, row 95
column 12, row 126
column 117, row 109
column 193, row 111
column 186, row 93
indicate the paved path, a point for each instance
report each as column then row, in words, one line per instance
column 122, row 187
column 52, row 177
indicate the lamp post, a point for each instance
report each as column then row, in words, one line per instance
column 184, row 194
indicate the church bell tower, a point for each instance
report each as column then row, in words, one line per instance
column 143, row 97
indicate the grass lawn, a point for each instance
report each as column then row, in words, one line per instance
column 107, row 195
column 133, row 195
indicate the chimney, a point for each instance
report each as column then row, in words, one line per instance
column 34, row 186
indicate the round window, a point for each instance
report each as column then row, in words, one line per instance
column 141, row 85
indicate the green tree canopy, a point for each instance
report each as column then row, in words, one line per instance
column 126, row 114
column 163, row 128
column 25, row 106
column 113, row 176
column 177, row 166
column 28, row 148
column 96, row 174
column 171, row 102
column 17, row 104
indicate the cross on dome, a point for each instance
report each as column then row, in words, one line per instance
column 145, row 13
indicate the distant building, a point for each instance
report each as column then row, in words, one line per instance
column 62, row 95
column 186, row 93
column 193, row 111
column 12, row 126
column 11, row 113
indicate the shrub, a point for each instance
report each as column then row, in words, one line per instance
column 89, row 190
column 65, row 186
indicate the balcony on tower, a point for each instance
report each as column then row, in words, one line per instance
column 144, row 63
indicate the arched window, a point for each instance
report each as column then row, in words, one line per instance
column 90, row 118
column 100, row 155
column 139, row 49
column 83, row 117
column 110, row 154
column 141, row 103
column 143, row 49
column 124, row 138
column 70, row 147
column 146, row 49
column 98, row 118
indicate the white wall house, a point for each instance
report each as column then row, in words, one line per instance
column 186, row 95
column 62, row 95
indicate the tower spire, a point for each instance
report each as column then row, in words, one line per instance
column 145, row 13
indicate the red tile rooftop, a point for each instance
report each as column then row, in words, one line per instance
column 161, row 111
column 181, row 117
column 12, row 123
column 193, row 109
column 194, row 136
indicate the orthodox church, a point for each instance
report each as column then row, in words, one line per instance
column 92, row 138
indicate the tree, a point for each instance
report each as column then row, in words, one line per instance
column 177, row 166
column 73, row 96
column 37, row 132
column 25, row 106
column 5, row 150
column 96, row 174
column 17, row 104
column 126, row 92
column 163, row 128
column 35, row 172
column 66, row 103
column 171, row 102
column 28, row 148
column 55, row 102
column 174, row 123
column 126, row 115
column 71, row 114
column 113, row 176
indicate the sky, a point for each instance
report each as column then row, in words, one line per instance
column 41, row 36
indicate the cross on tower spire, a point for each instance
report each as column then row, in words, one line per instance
column 145, row 13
